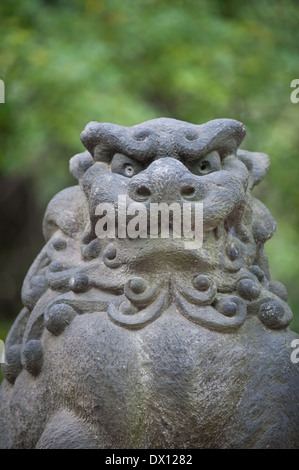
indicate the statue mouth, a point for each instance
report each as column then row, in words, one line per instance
column 155, row 221
column 162, row 253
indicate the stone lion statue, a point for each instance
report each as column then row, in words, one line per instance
column 139, row 342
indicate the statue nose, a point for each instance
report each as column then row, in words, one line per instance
column 165, row 181
column 187, row 190
column 141, row 193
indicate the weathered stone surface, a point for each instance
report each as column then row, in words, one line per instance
column 144, row 343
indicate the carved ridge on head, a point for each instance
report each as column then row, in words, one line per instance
column 142, row 141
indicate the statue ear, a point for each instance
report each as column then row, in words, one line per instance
column 79, row 163
column 256, row 163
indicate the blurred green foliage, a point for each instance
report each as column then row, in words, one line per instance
column 67, row 63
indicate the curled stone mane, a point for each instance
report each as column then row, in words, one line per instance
column 166, row 307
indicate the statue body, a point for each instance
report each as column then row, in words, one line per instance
column 149, row 342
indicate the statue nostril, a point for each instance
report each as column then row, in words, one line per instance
column 143, row 192
column 188, row 190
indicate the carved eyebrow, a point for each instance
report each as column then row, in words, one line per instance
column 104, row 140
column 221, row 135
column 190, row 141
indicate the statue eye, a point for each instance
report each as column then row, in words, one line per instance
column 204, row 167
column 209, row 164
column 128, row 170
column 125, row 166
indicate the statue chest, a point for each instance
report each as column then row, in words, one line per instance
column 167, row 383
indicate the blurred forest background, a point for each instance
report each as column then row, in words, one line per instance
column 67, row 63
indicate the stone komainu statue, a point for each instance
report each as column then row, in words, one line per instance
column 144, row 343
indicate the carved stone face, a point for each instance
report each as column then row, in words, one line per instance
column 167, row 161
column 142, row 290
column 164, row 162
